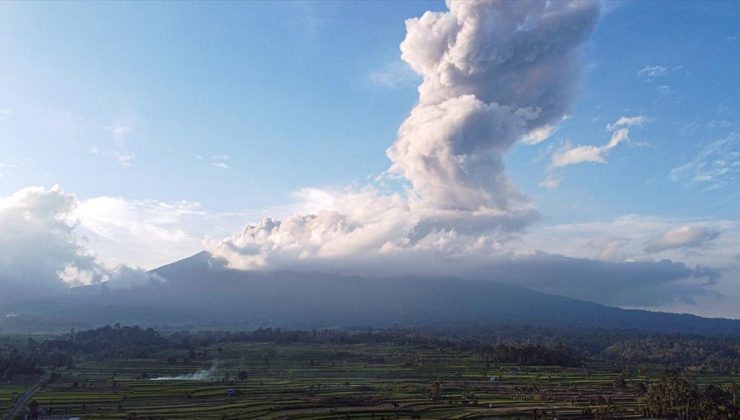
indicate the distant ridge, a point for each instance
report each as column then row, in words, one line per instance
column 199, row 291
column 313, row 299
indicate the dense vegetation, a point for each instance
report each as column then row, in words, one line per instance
column 676, row 395
column 107, row 342
column 521, row 345
column 717, row 354
column 14, row 362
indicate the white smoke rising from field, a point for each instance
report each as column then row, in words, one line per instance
column 200, row 375
column 494, row 73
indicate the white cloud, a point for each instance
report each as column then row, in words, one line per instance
column 682, row 237
column 150, row 233
column 580, row 154
column 631, row 233
column 572, row 155
column 539, row 135
column 42, row 254
column 220, row 165
column 51, row 240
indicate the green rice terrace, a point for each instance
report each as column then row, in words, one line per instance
column 355, row 378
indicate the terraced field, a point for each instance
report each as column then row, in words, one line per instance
column 8, row 394
column 333, row 381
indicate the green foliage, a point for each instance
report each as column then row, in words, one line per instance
column 13, row 362
column 676, row 395
column 106, row 342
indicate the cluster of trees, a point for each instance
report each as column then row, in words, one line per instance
column 110, row 342
column 103, row 342
column 14, row 362
column 675, row 395
column 714, row 354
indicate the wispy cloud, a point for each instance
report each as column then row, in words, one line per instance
column 122, row 158
column 550, row 183
column 394, row 74
column 651, row 72
column 119, row 150
column 627, row 122
column 716, row 165
column 149, row 233
column 219, row 161
column 118, row 130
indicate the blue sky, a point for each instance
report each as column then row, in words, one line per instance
column 226, row 110
column 286, row 90
column 199, row 79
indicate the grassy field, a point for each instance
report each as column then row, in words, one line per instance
column 333, row 381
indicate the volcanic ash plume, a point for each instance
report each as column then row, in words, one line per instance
column 494, row 73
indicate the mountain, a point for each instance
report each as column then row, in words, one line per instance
column 200, row 292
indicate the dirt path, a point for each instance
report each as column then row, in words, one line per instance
column 20, row 404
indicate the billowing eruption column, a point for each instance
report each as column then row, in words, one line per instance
column 494, row 72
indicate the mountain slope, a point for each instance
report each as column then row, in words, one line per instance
column 201, row 292
column 315, row 299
